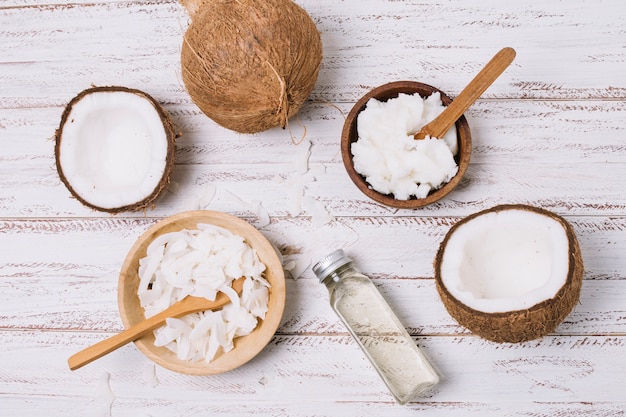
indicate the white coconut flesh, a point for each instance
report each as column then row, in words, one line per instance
column 114, row 147
column 506, row 261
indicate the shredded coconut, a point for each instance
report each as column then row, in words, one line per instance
column 202, row 263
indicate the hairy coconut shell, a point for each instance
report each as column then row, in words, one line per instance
column 250, row 65
column 520, row 325
column 169, row 162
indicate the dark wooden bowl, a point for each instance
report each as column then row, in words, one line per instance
column 384, row 93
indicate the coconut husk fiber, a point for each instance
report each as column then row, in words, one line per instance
column 249, row 64
column 521, row 325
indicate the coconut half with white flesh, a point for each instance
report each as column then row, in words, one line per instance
column 115, row 148
column 511, row 273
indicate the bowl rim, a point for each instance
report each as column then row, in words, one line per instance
column 385, row 92
column 246, row 347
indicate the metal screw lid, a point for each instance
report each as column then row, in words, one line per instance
column 329, row 263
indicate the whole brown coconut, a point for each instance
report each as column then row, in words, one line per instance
column 250, row 64
column 465, row 265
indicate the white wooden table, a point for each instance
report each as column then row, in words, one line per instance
column 550, row 133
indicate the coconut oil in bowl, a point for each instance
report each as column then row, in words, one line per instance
column 375, row 327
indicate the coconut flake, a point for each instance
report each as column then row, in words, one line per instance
column 298, row 266
column 262, row 214
column 104, row 394
column 202, row 200
column 317, row 210
column 256, row 206
column 301, row 157
column 201, row 263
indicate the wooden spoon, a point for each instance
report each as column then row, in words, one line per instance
column 183, row 307
column 440, row 125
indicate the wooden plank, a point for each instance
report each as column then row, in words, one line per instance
column 503, row 132
column 514, row 160
column 70, row 282
column 562, row 373
column 383, row 247
column 359, row 45
column 69, row 302
column 64, row 405
column 573, row 188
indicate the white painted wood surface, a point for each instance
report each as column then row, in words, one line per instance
column 550, row 132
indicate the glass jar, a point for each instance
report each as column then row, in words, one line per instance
column 375, row 327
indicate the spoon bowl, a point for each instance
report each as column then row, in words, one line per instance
column 386, row 92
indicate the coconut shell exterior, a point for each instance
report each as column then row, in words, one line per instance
column 521, row 325
column 250, row 65
column 169, row 163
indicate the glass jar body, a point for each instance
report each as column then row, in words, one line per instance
column 380, row 334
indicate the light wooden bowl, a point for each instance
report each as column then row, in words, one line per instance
column 384, row 93
column 246, row 347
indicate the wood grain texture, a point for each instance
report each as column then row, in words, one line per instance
column 57, row 283
column 326, row 371
column 549, row 132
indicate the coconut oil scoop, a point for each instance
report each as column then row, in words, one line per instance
column 181, row 308
column 350, row 136
column 496, row 66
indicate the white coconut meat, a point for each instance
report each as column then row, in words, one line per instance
column 202, row 262
column 113, row 148
column 506, row 261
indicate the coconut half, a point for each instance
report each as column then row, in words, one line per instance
column 114, row 148
column 511, row 273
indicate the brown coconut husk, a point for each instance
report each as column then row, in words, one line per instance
column 250, row 65
column 170, row 134
column 521, row 325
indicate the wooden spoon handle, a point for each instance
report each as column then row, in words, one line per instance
column 185, row 306
column 440, row 125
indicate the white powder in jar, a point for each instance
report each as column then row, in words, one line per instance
column 389, row 157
